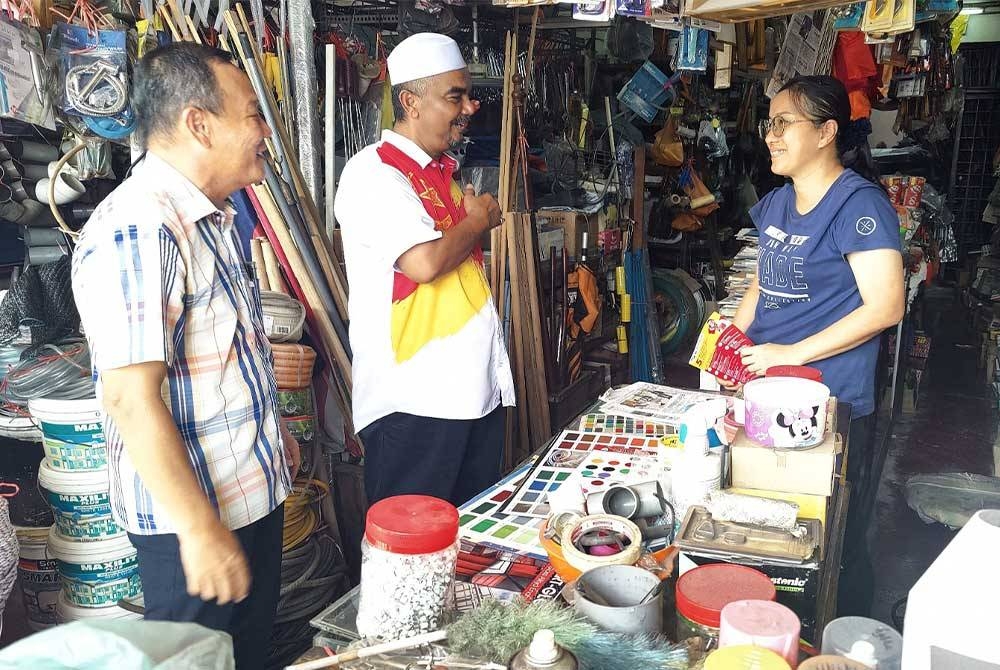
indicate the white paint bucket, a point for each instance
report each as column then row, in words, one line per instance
column 39, row 578
column 79, row 502
column 72, row 433
column 96, row 574
column 67, row 611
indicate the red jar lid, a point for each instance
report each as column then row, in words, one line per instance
column 800, row 371
column 704, row 591
column 411, row 524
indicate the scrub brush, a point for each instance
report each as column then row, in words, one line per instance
column 496, row 632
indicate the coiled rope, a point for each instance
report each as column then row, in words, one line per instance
column 8, row 549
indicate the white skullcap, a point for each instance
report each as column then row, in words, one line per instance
column 424, row 55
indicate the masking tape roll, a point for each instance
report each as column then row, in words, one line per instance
column 601, row 522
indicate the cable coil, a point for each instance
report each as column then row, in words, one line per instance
column 60, row 372
column 284, row 316
column 293, row 365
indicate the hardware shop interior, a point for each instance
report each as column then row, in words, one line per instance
column 499, row 334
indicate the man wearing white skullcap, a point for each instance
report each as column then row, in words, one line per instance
column 430, row 369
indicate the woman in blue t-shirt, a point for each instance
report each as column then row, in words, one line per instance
column 830, row 273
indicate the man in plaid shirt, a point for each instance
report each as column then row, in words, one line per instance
column 200, row 461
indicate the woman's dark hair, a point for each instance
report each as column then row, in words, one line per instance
column 823, row 98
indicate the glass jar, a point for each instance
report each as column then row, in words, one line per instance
column 701, row 594
column 408, row 560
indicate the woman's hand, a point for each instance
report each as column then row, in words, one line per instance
column 761, row 357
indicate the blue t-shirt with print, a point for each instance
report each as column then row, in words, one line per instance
column 806, row 283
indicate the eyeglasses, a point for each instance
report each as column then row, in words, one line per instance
column 778, row 125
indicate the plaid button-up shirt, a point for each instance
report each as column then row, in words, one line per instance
column 159, row 275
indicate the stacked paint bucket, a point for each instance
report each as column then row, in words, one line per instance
column 96, row 562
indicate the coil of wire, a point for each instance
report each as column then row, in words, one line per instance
column 293, row 365
column 284, row 316
column 313, row 572
column 54, row 371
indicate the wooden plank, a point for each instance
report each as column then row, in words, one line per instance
column 298, row 267
column 524, row 401
column 333, row 272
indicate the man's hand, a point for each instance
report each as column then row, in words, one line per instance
column 215, row 566
column 484, row 206
column 292, row 452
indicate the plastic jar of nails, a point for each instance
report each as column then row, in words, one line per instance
column 408, row 559
column 705, row 590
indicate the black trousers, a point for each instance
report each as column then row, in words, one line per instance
column 857, row 578
column 250, row 621
column 445, row 458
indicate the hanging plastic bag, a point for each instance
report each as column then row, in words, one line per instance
column 668, row 149
column 123, row 645
column 630, row 41
column 24, row 76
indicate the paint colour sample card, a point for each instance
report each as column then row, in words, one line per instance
column 624, row 425
column 605, row 467
column 482, row 521
column 566, row 455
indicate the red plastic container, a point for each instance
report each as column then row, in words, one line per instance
column 703, row 592
column 800, row 371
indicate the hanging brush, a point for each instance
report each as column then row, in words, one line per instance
column 495, row 632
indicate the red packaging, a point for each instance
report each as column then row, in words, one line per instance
column 610, row 240
column 914, row 192
column 727, row 364
column 894, row 185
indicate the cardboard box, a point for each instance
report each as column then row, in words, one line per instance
column 797, row 585
column 575, row 224
column 548, row 237
column 791, row 471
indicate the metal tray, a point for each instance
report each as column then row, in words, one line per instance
column 700, row 532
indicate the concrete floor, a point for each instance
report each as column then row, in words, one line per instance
column 952, row 431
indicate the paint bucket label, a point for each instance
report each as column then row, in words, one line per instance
column 100, row 584
column 84, row 516
column 39, row 589
column 296, row 403
column 77, row 446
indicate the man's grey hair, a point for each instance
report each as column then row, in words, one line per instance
column 417, row 87
column 169, row 79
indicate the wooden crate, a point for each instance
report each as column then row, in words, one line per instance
column 738, row 11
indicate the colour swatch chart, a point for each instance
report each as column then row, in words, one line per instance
column 606, row 466
column 566, row 455
column 481, row 519
column 624, row 425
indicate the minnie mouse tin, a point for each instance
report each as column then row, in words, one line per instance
column 785, row 412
